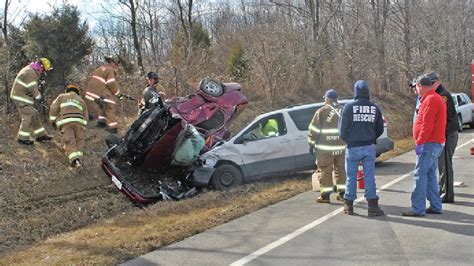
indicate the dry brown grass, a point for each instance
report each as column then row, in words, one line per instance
column 140, row 231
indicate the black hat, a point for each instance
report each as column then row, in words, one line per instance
column 433, row 76
column 152, row 75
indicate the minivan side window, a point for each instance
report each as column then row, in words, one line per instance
column 268, row 127
column 466, row 98
column 303, row 117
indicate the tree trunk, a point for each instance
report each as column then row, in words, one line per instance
column 133, row 23
column 6, row 83
column 380, row 12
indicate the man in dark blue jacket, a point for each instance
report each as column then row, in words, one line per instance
column 360, row 125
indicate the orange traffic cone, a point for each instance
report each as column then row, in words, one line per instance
column 360, row 176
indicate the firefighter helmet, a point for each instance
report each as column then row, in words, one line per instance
column 74, row 88
column 112, row 59
column 47, row 66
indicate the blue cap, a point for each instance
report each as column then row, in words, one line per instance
column 330, row 94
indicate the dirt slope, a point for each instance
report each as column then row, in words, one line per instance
column 40, row 196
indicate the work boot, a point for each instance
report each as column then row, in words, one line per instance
column 348, row 207
column 25, row 142
column 430, row 210
column 324, row 198
column 101, row 124
column 374, row 209
column 44, row 138
column 112, row 130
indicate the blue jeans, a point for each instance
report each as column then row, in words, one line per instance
column 366, row 154
column 426, row 179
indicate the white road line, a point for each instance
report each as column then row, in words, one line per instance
column 315, row 223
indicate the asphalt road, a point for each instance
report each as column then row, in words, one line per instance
column 299, row 231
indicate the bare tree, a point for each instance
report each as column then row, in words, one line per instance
column 380, row 10
column 6, row 79
column 133, row 6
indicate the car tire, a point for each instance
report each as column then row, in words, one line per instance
column 211, row 87
column 460, row 123
column 226, row 176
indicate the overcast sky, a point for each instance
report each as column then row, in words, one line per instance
column 90, row 9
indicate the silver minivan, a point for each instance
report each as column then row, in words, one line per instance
column 257, row 152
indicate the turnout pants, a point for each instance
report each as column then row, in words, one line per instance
column 445, row 167
column 31, row 125
column 326, row 163
column 107, row 113
column 73, row 138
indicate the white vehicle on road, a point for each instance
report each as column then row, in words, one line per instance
column 464, row 110
column 254, row 153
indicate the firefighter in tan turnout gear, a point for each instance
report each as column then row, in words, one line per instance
column 25, row 90
column 323, row 136
column 69, row 114
column 102, row 91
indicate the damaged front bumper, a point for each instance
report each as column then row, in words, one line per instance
column 202, row 175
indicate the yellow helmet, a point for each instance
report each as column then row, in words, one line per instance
column 73, row 87
column 46, row 64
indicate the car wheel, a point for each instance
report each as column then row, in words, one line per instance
column 460, row 124
column 226, row 176
column 211, row 87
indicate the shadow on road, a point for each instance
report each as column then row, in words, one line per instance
column 450, row 221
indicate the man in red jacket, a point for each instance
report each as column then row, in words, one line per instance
column 429, row 135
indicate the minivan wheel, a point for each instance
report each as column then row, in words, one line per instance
column 226, row 176
column 460, row 124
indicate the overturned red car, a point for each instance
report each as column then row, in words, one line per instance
column 155, row 158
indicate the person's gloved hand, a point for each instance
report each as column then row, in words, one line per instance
column 120, row 96
column 100, row 101
column 311, row 150
column 418, row 149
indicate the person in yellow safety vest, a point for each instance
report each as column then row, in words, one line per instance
column 270, row 128
column 68, row 113
column 24, row 91
column 102, row 91
column 323, row 136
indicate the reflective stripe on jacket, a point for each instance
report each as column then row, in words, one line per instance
column 25, row 87
column 103, row 82
column 323, row 132
column 67, row 108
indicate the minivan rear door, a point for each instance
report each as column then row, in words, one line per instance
column 300, row 119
